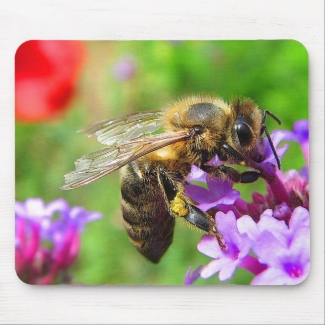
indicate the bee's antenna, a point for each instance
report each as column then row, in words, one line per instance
column 264, row 129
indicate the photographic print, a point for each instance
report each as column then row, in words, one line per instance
column 162, row 162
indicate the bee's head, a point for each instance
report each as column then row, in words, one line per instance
column 247, row 126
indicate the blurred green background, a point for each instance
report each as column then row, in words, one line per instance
column 273, row 73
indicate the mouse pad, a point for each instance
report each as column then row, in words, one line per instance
column 162, row 162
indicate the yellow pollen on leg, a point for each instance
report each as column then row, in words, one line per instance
column 178, row 206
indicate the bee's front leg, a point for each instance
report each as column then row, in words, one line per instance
column 232, row 174
column 224, row 171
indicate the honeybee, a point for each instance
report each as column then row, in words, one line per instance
column 154, row 167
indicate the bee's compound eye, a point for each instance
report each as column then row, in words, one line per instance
column 198, row 129
column 244, row 133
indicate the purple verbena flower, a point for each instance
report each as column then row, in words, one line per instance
column 47, row 238
column 286, row 251
column 225, row 260
column 282, row 252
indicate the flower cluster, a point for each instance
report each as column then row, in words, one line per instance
column 270, row 236
column 48, row 239
column 46, row 73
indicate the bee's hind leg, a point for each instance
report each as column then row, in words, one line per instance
column 182, row 207
column 203, row 221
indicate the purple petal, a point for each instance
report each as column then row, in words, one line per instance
column 196, row 174
column 218, row 192
column 215, row 161
column 299, row 218
column 198, row 194
column 300, row 245
column 227, row 225
column 230, row 199
column 301, row 129
column 59, row 205
column 268, row 248
column 271, row 277
column 274, row 226
column 246, row 225
column 93, row 216
column 277, row 137
column 33, row 208
column 268, row 222
column 219, row 187
column 268, row 213
column 227, row 271
column 20, row 209
column 191, row 278
column 300, row 134
column 214, row 267
column 79, row 216
column 276, row 276
column 304, row 172
column 289, row 136
column 245, row 246
column 238, row 245
column 209, row 246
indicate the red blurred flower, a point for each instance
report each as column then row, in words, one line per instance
column 45, row 76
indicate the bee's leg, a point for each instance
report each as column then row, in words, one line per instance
column 203, row 221
column 265, row 130
column 250, row 176
column 232, row 174
column 233, row 154
column 182, row 207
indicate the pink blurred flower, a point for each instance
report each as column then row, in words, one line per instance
column 46, row 245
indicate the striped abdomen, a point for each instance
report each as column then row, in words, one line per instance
column 147, row 220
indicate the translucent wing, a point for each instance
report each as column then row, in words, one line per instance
column 106, row 160
column 127, row 128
